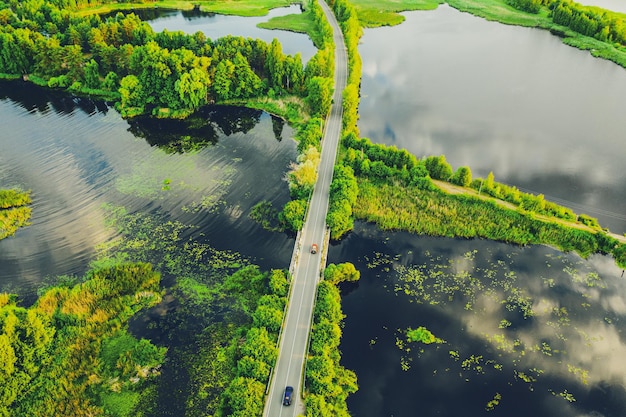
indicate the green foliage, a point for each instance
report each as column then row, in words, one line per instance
column 265, row 214
column 260, row 345
column 350, row 108
column 224, row 325
column 320, row 95
column 525, row 201
column 56, row 343
column 462, row 177
column 309, row 135
column 174, row 74
column 328, row 382
column 248, row 283
column 268, row 317
column 341, row 272
column 530, row 6
column 590, row 21
column 14, row 211
column 244, row 397
column 438, row 168
column 376, row 13
column 343, row 195
column 150, row 238
column 395, row 207
column 394, row 159
column 422, row 335
column 588, row 221
column 303, row 174
column 293, row 214
column 279, row 282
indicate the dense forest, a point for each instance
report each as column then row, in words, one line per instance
column 70, row 353
column 169, row 74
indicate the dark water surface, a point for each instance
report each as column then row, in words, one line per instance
column 539, row 330
column 543, row 116
column 525, row 331
column 76, row 154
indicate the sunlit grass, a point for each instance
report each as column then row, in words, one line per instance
column 230, row 7
column 374, row 13
column 299, row 23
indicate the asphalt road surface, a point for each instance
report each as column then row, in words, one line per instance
column 289, row 370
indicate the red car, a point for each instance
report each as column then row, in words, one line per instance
column 314, row 248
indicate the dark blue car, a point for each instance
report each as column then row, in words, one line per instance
column 287, row 396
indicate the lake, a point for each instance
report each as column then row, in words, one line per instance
column 77, row 155
column 215, row 26
column 523, row 331
column 541, row 115
column 539, row 331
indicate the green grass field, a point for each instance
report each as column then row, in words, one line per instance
column 300, row 23
column 229, row 7
column 374, row 13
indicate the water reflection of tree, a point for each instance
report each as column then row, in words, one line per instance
column 148, row 14
column 196, row 132
column 277, row 126
column 234, row 119
column 33, row 97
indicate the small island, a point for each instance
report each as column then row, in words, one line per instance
column 15, row 211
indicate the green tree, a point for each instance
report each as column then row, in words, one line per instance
column 462, row 177
column 269, row 317
column 278, row 282
column 438, row 168
column 131, row 94
column 320, row 95
column 92, row 75
column 193, row 88
column 111, row 81
column 275, row 65
column 350, row 107
column 244, row 397
column 249, row 367
column 342, row 272
column 292, row 215
column 223, row 80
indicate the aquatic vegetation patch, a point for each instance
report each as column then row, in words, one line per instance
column 531, row 329
column 267, row 216
column 162, row 175
column 155, row 239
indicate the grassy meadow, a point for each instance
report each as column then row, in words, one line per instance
column 239, row 8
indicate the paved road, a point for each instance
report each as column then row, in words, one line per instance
column 289, row 368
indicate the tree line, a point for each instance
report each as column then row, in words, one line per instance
column 328, row 383
column 394, row 189
column 167, row 73
column 595, row 22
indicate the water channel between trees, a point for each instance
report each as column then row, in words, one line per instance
column 518, row 331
